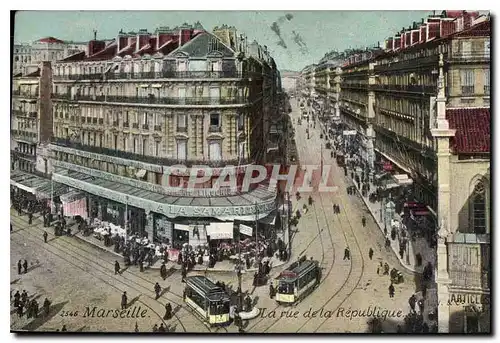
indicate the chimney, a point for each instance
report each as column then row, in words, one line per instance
column 142, row 39
column 121, row 40
column 95, row 46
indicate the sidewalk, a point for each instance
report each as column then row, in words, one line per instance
column 224, row 266
column 419, row 245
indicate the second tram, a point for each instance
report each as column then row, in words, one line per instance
column 297, row 281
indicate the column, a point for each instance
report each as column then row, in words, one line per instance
column 99, row 210
column 149, row 227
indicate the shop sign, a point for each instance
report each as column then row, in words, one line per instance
column 349, row 133
column 468, row 299
column 246, row 230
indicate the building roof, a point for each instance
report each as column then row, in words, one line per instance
column 49, row 40
column 199, row 46
column 473, row 130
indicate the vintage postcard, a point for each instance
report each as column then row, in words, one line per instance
column 240, row 172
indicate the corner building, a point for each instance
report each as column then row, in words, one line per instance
column 133, row 110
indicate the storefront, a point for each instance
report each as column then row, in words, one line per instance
column 469, row 312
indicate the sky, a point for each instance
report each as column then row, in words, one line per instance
column 305, row 35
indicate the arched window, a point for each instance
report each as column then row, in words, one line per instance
column 478, row 203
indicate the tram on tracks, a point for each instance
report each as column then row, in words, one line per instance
column 297, row 281
column 208, row 301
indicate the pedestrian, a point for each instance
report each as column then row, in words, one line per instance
column 117, row 267
column 401, row 253
column 184, row 274
column 378, row 270
column 124, row 301
column 35, row 309
column 425, row 328
column 141, row 266
column 157, row 290
column 363, row 221
column 391, row 290
column 19, row 267
column 347, row 254
column 25, row 266
column 168, row 311
column 46, row 306
column 45, row 235
column 424, row 289
column 163, row 271
column 17, row 296
column 421, row 306
column 30, row 218
column 20, row 310
column 248, row 303
column 64, row 329
column 370, row 254
column 412, row 301
column 155, row 328
column 24, row 297
column 271, row 291
column 161, row 328
column 386, row 269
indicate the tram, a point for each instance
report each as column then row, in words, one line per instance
column 208, row 301
column 297, row 281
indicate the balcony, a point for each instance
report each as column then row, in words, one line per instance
column 422, row 89
column 467, row 90
column 354, row 85
column 157, row 128
column 28, row 136
column 215, row 128
column 25, row 155
column 125, row 124
column 158, row 75
column 115, row 123
column 146, row 159
column 469, row 279
column 183, row 129
column 145, row 126
column 135, row 125
column 89, row 120
column 470, row 57
column 76, row 77
column 16, row 92
column 26, row 95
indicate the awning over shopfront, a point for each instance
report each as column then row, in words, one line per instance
column 27, row 182
column 74, row 204
column 220, row 230
column 269, row 220
column 55, row 190
column 181, row 227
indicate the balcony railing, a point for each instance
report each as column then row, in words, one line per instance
column 474, row 56
column 215, row 128
column 182, row 129
column 25, row 135
column 145, row 126
column 125, row 124
column 405, row 88
column 25, row 155
column 115, row 123
column 135, row 125
column 157, row 127
column 157, row 75
column 468, row 279
column 158, row 101
column 467, row 90
column 146, row 159
column 26, row 95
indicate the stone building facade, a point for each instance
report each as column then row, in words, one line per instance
column 132, row 110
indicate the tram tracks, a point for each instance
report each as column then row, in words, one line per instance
column 124, row 279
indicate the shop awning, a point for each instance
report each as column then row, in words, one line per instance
column 181, row 227
column 220, row 230
column 27, row 182
column 74, row 204
column 57, row 189
column 72, row 196
column 270, row 219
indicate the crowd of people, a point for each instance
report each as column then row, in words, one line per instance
column 24, row 306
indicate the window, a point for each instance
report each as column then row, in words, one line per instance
column 145, row 119
column 135, row 145
column 479, row 209
column 466, row 48
column 181, row 149
column 115, row 142
column 181, row 66
column 214, row 122
column 487, row 81
column 157, row 148
column 241, row 122
column 182, row 95
column 181, row 123
column 215, row 151
column 144, row 146
column 467, row 81
column 471, row 323
column 241, row 150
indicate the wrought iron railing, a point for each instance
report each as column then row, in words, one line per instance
column 147, row 159
column 27, row 135
column 157, row 75
column 469, row 279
